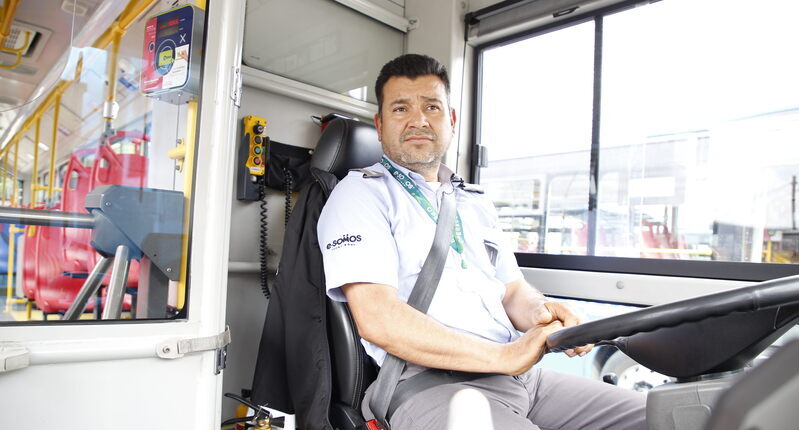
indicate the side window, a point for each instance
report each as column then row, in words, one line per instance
column 540, row 136
column 649, row 143
column 518, row 204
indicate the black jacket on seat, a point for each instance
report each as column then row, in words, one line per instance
column 295, row 371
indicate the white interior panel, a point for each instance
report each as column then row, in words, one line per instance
column 623, row 287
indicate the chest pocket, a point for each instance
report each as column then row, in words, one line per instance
column 492, row 250
column 493, row 245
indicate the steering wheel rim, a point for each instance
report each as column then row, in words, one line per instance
column 763, row 295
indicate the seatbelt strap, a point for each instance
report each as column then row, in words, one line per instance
column 422, row 294
column 428, row 379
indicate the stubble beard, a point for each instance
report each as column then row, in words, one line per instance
column 415, row 160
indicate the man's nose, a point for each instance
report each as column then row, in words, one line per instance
column 418, row 119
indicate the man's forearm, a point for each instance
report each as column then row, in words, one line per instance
column 401, row 330
column 521, row 302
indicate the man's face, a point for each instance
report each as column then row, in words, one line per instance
column 416, row 125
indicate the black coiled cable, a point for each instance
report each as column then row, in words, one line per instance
column 263, row 242
column 289, row 180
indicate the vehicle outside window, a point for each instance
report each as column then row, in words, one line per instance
column 675, row 139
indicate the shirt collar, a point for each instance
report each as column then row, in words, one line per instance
column 444, row 172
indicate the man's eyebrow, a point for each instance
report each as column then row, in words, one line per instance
column 406, row 100
column 433, row 99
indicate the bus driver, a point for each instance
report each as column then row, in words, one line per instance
column 484, row 317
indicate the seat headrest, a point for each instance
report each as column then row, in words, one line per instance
column 346, row 144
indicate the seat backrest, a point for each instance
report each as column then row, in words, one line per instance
column 353, row 369
column 344, row 145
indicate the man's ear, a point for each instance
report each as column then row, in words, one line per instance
column 453, row 119
column 379, row 127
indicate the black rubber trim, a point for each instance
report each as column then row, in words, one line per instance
column 566, row 21
column 593, row 170
column 727, row 270
column 473, row 18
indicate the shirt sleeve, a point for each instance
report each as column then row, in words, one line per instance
column 355, row 237
column 507, row 267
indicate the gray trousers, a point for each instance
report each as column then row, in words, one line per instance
column 537, row 400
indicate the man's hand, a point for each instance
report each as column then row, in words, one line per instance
column 527, row 308
column 520, row 355
column 550, row 312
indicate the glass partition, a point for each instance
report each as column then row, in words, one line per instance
column 97, row 178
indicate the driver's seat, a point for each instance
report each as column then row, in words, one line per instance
column 353, row 369
column 346, row 145
column 311, row 362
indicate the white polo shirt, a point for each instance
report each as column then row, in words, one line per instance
column 372, row 230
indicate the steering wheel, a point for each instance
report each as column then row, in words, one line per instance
column 706, row 334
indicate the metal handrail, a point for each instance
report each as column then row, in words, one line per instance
column 18, row 52
column 26, row 216
column 8, row 16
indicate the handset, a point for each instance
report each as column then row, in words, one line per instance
column 254, row 129
column 253, row 158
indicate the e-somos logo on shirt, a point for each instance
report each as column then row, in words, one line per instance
column 346, row 240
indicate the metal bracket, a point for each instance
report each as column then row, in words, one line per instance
column 379, row 13
column 177, row 348
column 413, row 23
column 235, row 93
column 178, row 153
column 221, row 360
column 110, row 109
column 482, row 156
column 13, row 357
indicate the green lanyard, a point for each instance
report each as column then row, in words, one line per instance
column 410, row 186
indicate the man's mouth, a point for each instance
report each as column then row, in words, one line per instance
column 419, row 137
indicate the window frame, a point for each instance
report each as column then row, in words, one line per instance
column 718, row 270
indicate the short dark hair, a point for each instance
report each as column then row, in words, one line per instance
column 410, row 66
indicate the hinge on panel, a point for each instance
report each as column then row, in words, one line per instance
column 221, row 360
column 13, row 357
column 176, row 348
column 235, row 93
column 482, row 156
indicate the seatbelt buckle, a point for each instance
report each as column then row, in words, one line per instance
column 375, row 425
